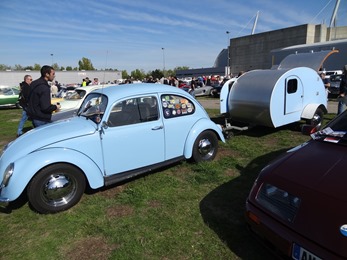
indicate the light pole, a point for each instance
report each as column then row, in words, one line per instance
column 52, row 58
column 228, row 58
column 163, row 61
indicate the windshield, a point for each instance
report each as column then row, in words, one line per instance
column 335, row 131
column 336, row 78
column 78, row 94
column 93, row 107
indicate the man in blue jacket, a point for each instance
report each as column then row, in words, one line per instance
column 40, row 108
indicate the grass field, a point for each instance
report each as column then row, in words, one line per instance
column 187, row 211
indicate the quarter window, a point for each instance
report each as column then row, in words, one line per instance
column 176, row 106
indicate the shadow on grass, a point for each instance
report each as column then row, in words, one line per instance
column 223, row 211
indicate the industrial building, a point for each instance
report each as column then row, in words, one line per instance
column 267, row 49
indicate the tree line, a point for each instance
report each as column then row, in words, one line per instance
column 86, row 64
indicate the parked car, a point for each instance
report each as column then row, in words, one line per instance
column 117, row 134
column 203, row 91
column 9, row 96
column 297, row 203
column 72, row 101
column 335, row 84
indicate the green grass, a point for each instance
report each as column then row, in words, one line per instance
column 187, row 211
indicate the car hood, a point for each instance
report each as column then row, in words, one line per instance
column 318, row 166
column 315, row 173
column 49, row 134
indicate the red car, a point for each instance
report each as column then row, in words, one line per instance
column 298, row 203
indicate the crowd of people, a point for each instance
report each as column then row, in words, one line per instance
column 35, row 96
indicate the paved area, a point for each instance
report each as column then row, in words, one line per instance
column 213, row 103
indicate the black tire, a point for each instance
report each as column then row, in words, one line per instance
column 205, row 147
column 317, row 120
column 56, row 188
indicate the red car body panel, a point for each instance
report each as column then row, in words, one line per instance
column 317, row 174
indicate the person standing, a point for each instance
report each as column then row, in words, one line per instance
column 326, row 83
column 23, row 99
column 39, row 107
column 343, row 92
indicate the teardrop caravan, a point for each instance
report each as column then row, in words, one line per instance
column 291, row 92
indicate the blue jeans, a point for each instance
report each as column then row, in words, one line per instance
column 37, row 123
column 22, row 122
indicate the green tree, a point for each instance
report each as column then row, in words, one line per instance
column 85, row 64
column 138, row 74
column 37, row 66
column 55, row 66
column 125, row 74
column 18, row 67
column 68, row 68
column 157, row 74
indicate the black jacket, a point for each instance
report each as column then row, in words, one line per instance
column 39, row 103
column 24, row 94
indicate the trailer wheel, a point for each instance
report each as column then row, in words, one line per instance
column 228, row 134
column 317, row 119
column 205, row 147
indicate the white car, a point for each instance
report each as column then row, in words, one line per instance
column 71, row 103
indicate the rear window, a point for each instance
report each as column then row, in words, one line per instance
column 176, row 106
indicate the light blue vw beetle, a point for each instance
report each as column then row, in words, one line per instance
column 119, row 132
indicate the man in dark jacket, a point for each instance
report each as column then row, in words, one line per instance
column 40, row 108
column 23, row 99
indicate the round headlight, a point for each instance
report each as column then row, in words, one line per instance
column 8, row 173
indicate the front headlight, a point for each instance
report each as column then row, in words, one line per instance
column 7, row 175
column 278, row 201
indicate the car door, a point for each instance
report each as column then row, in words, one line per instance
column 134, row 137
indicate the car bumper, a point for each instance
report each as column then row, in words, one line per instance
column 280, row 239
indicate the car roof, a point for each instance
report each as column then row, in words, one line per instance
column 125, row 90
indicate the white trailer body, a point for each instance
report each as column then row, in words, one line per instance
column 277, row 97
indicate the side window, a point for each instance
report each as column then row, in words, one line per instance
column 176, row 106
column 134, row 111
column 292, row 86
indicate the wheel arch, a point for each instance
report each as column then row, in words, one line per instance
column 199, row 127
column 309, row 110
column 27, row 167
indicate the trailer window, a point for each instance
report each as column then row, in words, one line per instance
column 292, row 86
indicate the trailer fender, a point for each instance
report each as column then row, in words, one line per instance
column 309, row 110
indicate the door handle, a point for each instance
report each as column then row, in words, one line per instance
column 158, row 127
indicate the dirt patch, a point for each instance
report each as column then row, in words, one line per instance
column 111, row 192
column 90, row 248
column 154, row 204
column 119, row 211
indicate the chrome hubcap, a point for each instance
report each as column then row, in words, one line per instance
column 58, row 189
column 205, row 147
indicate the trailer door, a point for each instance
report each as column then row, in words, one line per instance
column 293, row 98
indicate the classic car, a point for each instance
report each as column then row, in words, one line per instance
column 9, row 96
column 118, row 133
column 297, row 203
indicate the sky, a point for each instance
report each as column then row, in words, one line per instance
column 143, row 34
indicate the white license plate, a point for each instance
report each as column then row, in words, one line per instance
column 300, row 253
